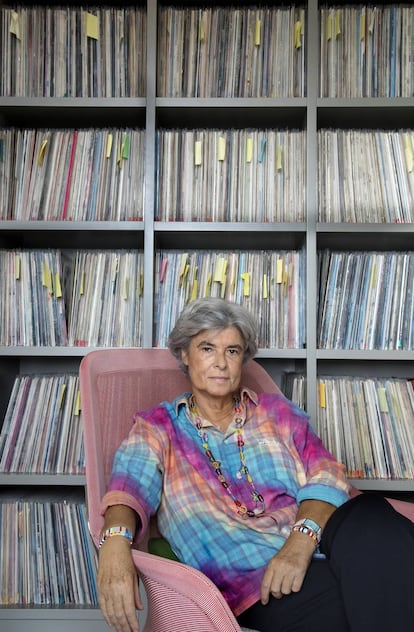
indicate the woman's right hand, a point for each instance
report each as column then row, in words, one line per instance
column 118, row 589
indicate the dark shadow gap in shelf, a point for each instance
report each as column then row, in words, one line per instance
column 72, row 113
column 76, row 239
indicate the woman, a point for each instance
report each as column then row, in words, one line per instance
column 244, row 490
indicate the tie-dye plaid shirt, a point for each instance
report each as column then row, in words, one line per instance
column 162, row 468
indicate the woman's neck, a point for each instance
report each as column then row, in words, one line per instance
column 219, row 412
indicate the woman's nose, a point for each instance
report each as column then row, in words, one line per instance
column 221, row 360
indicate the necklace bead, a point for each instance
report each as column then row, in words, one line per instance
column 243, row 471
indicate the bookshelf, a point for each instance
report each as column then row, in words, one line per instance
column 151, row 112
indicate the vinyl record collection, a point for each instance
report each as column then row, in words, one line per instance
column 72, row 52
column 74, row 175
column 52, row 561
column 366, row 51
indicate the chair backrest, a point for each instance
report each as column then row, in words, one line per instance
column 117, row 383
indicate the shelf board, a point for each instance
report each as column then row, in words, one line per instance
column 39, row 480
column 276, row 354
column 252, row 227
column 48, row 613
column 68, row 225
column 55, row 352
column 386, row 485
column 362, row 355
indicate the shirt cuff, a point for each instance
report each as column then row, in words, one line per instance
column 122, row 498
column 332, row 495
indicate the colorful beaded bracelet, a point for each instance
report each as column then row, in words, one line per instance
column 306, row 530
column 312, row 525
column 122, row 531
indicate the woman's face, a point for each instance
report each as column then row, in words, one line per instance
column 214, row 361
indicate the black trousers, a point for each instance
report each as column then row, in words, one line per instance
column 365, row 584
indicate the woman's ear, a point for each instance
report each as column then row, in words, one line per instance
column 184, row 357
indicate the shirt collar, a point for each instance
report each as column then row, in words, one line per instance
column 246, row 393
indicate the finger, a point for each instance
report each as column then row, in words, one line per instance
column 286, row 584
column 129, row 617
column 265, row 586
column 120, row 614
column 297, row 582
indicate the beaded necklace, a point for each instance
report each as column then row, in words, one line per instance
column 243, row 471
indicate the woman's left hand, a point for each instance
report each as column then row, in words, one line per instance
column 287, row 569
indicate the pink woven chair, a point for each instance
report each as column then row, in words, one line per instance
column 115, row 384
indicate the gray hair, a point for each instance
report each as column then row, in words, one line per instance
column 212, row 313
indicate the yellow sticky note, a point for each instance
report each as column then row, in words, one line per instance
column 258, row 33
column 221, row 148
column 49, row 280
column 362, row 25
column 249, row 149
column 198, row 153
column 194, row 290
column 183, row 263
column 125, row 289
column 208, row 285
column 219, row 270
column 140, row 284
column 298, row 34
column 408, row 150
column 15, row 24
column 82, row 284
column 279, row 154
column 382, row 400
column 109, row 142
column 329, row 27
column 374, row 275
column 279, row 271
column 338, row 15
column 58, row 286
column 265, row 291
column 322, row 398
column 246, row 283
column 77, row 405
column 201, row 33
column 42, row 152
column 125, row 147
column 182, row 279
column 17, row 267
column 92, row 26
column 62, row 394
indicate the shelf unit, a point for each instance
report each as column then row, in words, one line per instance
column 152, row 112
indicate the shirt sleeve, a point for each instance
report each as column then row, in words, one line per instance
column 320, row 475
column 137, row 472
